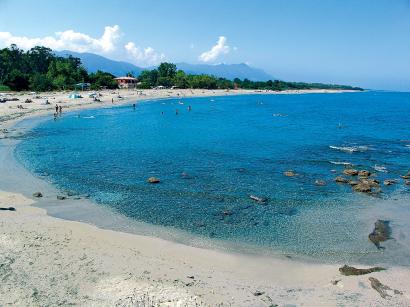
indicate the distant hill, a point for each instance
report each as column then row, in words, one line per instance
column 228, row 71
column 93, row 62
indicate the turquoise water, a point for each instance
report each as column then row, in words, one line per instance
column 212, row 158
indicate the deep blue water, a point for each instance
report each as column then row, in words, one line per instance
column 210, row 159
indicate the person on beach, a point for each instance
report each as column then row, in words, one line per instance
column 56, row 108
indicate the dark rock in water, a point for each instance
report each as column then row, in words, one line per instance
column 335, row 282
column 381, row 233
column 153, row 180
column 362, row 187
column 262, row 200
column 289, row 174
column 60, row 197
column 340, row 179
column 258, row 293
column 407, row 176
column 320, row 182
column 8, row 209
column 389, row 182
column 349, row 270
column 364, row 173
column 71, row 193
column 350, row 172
column 382, row 289
column 37, row 194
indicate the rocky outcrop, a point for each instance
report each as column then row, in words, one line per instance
column 381, row 233
column 371, row 182
column 340, row 179
column 153, row 180
column 289, row 173
column 350, row 172
column 362, row 187
column 37, row 194
column 364, row 173
column 407, row 176
column 350, row 271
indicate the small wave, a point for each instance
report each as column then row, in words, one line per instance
column 340, row 163
column 380, row 168
column 279, row 115
column 89, row 117
column 350, row 149
column 408, row 146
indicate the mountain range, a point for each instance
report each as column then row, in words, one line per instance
column 93, row 62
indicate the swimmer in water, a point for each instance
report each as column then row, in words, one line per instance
column 189, row 108
column 176, row 111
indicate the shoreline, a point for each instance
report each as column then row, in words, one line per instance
column 47, row 260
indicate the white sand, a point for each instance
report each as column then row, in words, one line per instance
column 49, row 261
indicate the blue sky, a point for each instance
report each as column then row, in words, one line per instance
column 365, row 43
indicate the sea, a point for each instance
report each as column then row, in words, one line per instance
column 221, row 164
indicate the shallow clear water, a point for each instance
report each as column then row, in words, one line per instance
column 210, row 159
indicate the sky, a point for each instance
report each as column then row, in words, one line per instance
column 363, row 43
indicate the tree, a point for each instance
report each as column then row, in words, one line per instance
column 101, row 79
column 181, row 80
column 40, row 83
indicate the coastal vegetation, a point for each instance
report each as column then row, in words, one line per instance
column 39, row 69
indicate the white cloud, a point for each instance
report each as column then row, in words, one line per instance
column 69, row 40
column 107, row 44
column 143, row 56
column 217, row 50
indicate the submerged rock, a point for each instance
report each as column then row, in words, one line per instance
column 340, row 179
column 262, row 200
column 381, row 233
column 37, row 194
column 320, row 182
column 153, row 180
column 289, row 173
column 349, row 270
column 60, row 197
column 384, row 291
column 389, row 182
column 353, row 182
column 350, row 172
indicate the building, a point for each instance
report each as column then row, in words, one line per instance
column 127, row 82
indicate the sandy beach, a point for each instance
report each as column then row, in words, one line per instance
column 46, row 260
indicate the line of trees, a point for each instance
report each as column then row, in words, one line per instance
column 39, row 69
